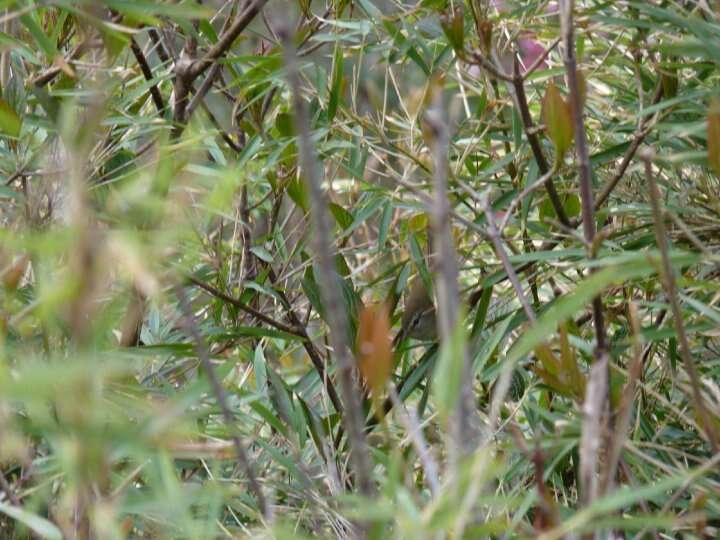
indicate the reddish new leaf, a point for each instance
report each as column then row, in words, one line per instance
column 558, row 120
column 374, row 347
column 713, row 135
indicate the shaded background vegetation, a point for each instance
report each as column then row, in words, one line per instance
column 212, row 211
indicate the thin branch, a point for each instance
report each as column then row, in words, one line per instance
column 50, row 73
column 415, row 433
column 447, row 290
column 640, row 135
column 597, row 397
column 203, row 90
column 668, row 280
column 540, row 182
column 583, row 156
column 494, row 235
column 214, row 71
column 540, row 59
column 315, row 356
column 158, row 45
column 331, row 292
column 9, row 491
column 217, row 389
column 532, row 137
column 226, row 39
column 491, row 68
column 622, row 423
column 147, row 73
column 244, row 307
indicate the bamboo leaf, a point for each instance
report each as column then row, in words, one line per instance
column 558, row 120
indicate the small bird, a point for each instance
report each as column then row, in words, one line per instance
column 418, row 320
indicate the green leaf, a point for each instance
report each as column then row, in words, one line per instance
column 337, row 82
column 448, row 373
column 572, row 205
column 262, row 253
column 260, row 369
column 296, row 191
column 10, row 122
column 40, row 525
column 342, row 216
column 558, row 120
column 47, row 46
column 284, row 125
column 384, row 224
column 569, row 304
column 280, row 397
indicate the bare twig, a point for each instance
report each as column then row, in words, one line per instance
column 415, row 433
column 491, row 68
column 583, row 156
column 668, row 280
column 217, row 389
column 447, row 290
column 242, row 306
column 540, row 182
column 227, row 38
column 9, row 491
column 597, row 400
column 518, row 85
column 214, row 70
column 503, row 384
column 622, row 422
column 147, row 73
column 50, row 73
column 313, row 353
column 494, row 235
column 540, row 59
column 331, row 291
column 640, row 135
column 188, row 68
column 701, row 471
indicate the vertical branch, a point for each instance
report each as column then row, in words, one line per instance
column 447, row 281
column 595, row 409
column 221, row 398
column 668, row 281
column 331, row 291
column 583, row 156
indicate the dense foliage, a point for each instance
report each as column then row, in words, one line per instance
column 504, row 213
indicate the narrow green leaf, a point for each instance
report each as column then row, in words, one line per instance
column 448, row 373
column 337, row 82
column 260, row 369
column 40, row 525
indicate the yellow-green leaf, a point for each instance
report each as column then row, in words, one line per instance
column 558, row 120
column 10, row 122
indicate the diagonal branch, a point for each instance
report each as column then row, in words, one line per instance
column 221, row 398
column 147, row 73
column 532, row 137
column 227, row 38
column 668, row 281
column 642, row 132
column 244, row 307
